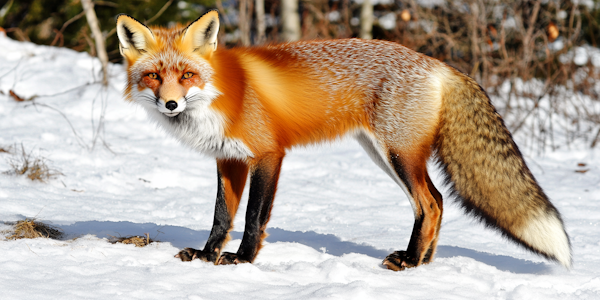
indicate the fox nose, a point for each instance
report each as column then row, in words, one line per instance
column 171, row 105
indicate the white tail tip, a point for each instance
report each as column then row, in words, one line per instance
column 545, row 233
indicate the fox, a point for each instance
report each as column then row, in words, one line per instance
column 248, row 106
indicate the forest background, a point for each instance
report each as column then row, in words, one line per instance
column 537, row 59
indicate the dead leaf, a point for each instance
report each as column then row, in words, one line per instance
column 16, row 96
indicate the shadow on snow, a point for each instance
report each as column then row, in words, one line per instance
column 182, row 237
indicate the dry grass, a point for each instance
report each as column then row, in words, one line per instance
column 138, row 241
column 34, row 167
column 6, row 149
column 31, row 229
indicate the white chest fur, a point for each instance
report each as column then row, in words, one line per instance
column 200, row 127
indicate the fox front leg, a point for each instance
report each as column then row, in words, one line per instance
column 232, row 176
column 263, row 184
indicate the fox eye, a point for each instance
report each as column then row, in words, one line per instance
column 187, row 75
column 153, row 76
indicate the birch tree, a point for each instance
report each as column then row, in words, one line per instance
column 290, row 19
column 261, row 26
column 366, row 20
column 244, row 21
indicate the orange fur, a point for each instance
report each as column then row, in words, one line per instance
column 256, row 84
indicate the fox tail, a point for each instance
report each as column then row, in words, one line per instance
column 486, row 172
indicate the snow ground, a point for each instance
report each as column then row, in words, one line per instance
column 335, row 218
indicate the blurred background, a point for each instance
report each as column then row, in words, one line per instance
column 539, row 60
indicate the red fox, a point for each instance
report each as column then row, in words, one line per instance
column 248, row 106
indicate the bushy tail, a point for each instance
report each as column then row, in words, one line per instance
column 486, row 171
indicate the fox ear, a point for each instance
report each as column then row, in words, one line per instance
column 134, row 37
column 201, row 35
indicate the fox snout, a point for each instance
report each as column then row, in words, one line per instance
column 171, row 99
column 171, row 108
column 171, row 105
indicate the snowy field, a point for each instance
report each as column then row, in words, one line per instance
column 336, row 215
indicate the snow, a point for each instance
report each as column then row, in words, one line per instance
column 336, row 215
column 581, row 55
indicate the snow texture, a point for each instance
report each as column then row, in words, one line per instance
column 336, row 215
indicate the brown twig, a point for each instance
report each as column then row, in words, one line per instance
column 59, row 33
column 160, row 12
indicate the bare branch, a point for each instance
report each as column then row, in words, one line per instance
column 79, row 139
column 160, row 12
column 59, row 34
column 88, row 7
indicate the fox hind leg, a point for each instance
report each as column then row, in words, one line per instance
column 410, row 173
column 427, row 206
column 439, row 202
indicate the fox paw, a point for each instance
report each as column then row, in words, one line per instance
column 189, row 254
column 399, row 261
column 228, row 258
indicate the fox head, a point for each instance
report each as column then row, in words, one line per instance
column 168, row 69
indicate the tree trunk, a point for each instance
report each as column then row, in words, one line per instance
column 366, row 20
column 90, row 14
column 261, row 26
column 244, row 22
column 290, row 19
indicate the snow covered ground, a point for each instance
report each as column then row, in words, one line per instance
column 336, row 215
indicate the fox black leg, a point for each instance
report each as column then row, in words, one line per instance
column 263, row 184
column 232, row 176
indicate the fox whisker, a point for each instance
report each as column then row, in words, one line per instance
column 193, row 97
column 147, row 98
